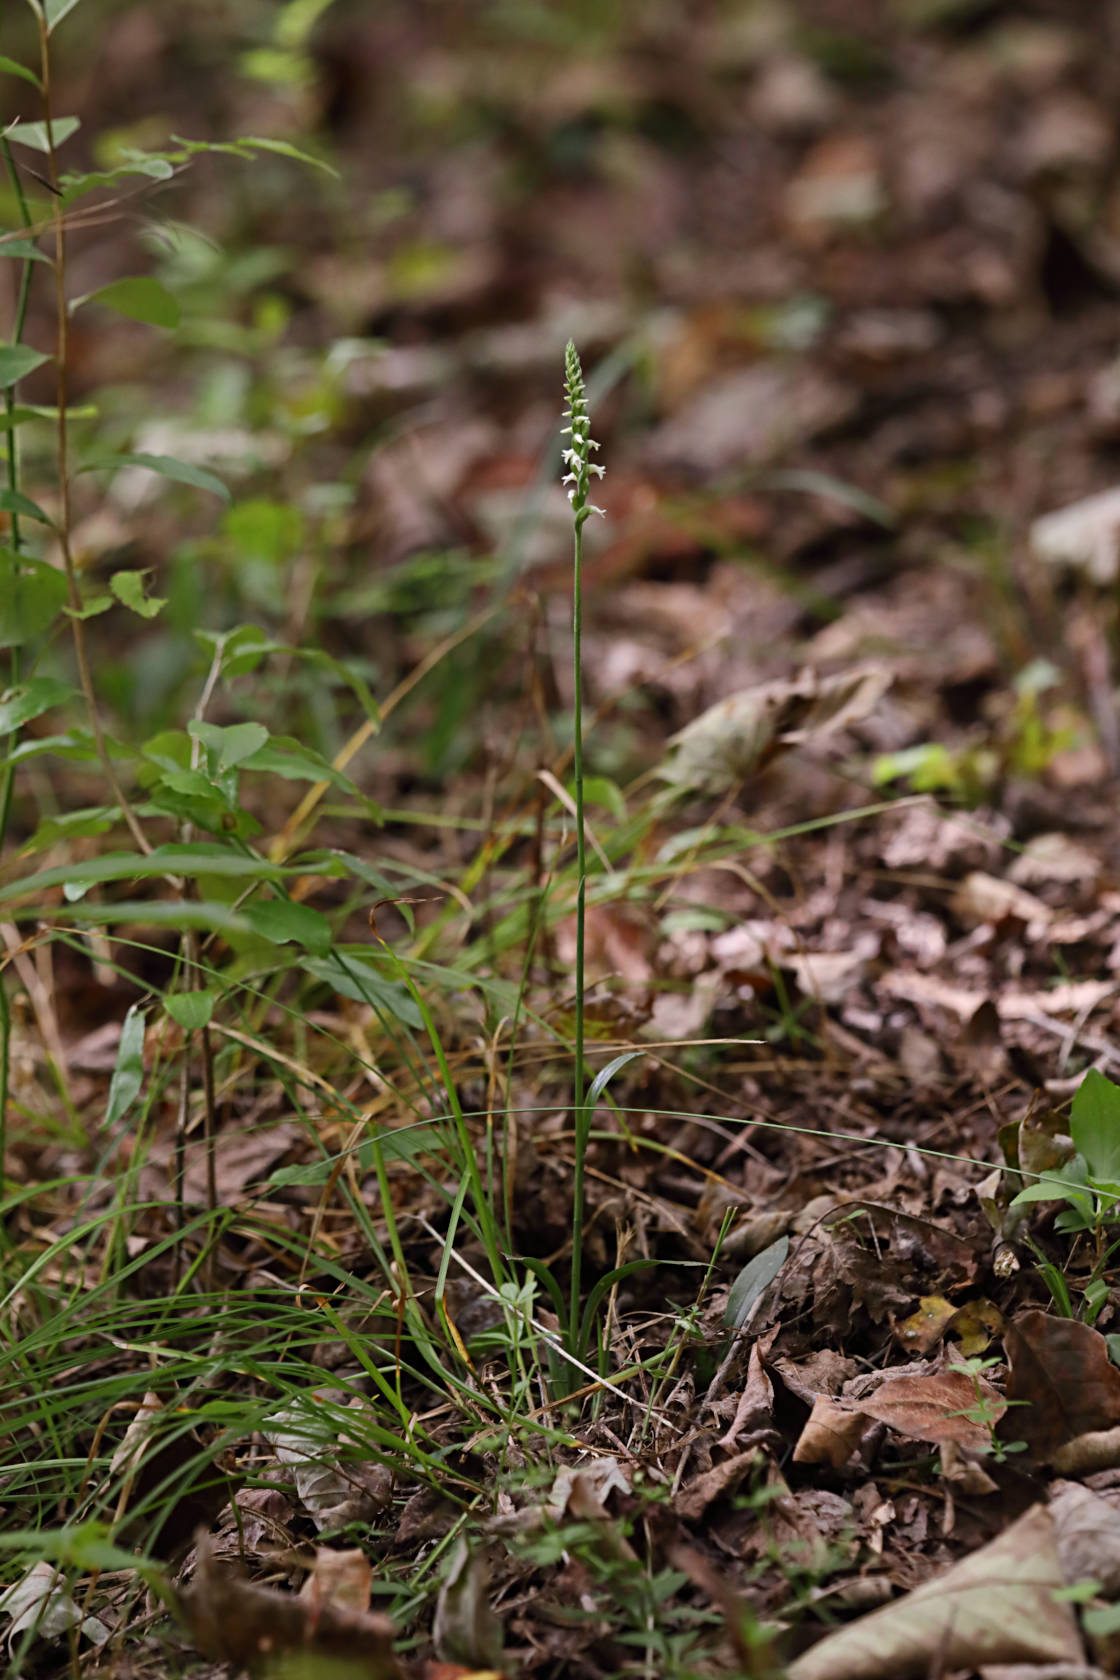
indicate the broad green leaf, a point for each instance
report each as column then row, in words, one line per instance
column 140, row 297
column 191, row 1010
column 12, row 502
column 354, row 978
column 600, row 790
column 243, row 649
column 20, row 415
column 14, row 68
column 92, row 607
column 128, row 587
column 178, row 914
column 32, row 594
column 758, row 1274
column 77, row 744
column 34, row 134
column 285, row 756
column 19, row 705
column 200, row 857
column 282, row 922
column 128, row 1074
column 16, row 360
column 168, row 466
column 1095, row 1125
column 54, row 11
column 1045, row 1189
column 170, row 749
column 75, row 825
column 23, row 249
column 231, row 745
column 195, row 784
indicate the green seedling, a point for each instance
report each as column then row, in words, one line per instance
column 987, row 1411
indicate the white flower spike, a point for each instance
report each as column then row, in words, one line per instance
column 578, row 457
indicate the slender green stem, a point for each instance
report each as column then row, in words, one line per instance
column 577, row 458
column 580, row 1112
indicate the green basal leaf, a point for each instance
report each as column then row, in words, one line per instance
column 128, row 1073
column 758, row 1274
column 20, row 415
column 283, row 923
column 75, row 825
column 1095, row 1126
column 93, row 607
column 154, row 165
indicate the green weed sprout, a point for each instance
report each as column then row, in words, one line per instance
column 577, row 459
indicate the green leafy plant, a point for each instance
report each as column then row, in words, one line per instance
column 1089, row 1182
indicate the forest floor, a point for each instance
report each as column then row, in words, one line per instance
column 286, row 1272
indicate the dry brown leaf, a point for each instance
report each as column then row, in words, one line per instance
column 1087, row 1454
column 721, row 1480
column 1088, row 1532
column 756, row 1403
column 996, row 1606
column 932, row 1408
column 831, row 1434
column 341, row 1579
column 1061, row 1369
column 921, row 1332
column 232, row 1620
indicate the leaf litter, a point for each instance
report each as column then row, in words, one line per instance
column 873, row 887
